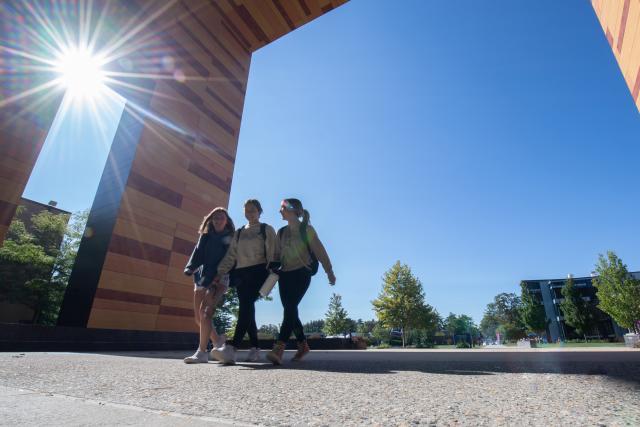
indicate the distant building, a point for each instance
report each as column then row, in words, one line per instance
column 31, row 208
column 549, row 293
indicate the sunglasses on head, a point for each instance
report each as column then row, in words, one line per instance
column 288, row 206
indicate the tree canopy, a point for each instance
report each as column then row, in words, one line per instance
column 532, row 311
column 401, row 302
column 618, row 291
column 336, row 320
column 503, row 316
column 578, row 313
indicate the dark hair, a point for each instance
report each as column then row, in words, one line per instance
column 299, row 210
column 255, row 203
column 206, row 226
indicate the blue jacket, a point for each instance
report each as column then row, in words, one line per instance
column 206, row 256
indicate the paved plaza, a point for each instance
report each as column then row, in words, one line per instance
column 373, row 387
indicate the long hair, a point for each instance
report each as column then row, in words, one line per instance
column 207, row 225
column 299, row 210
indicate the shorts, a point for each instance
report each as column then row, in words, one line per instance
column 224, row 283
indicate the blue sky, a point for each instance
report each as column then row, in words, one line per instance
column 74, row 153
column 479, row 142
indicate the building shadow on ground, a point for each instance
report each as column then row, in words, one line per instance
column 626, row 372
column 362, row 362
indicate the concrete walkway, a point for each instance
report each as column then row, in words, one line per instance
column 373, row 387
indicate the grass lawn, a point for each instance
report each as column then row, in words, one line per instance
column 582, row 344
column 575, row 344
column 554, row 345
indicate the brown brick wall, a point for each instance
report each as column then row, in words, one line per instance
column 620, row 20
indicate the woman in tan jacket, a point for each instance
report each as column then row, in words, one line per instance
column 251, row 250
column 299, row 250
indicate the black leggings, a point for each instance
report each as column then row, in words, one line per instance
column 292, row 285
column 248, row 282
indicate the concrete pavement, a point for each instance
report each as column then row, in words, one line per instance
column 379, row 387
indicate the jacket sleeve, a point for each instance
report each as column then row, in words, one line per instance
column 229, row 259
column 195, row 260
column 318, row 249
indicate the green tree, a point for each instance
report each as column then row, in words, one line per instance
column 48, row 230
column 381, row 334
column 503, row 315
column 532, row 311
column 336, row 321
column 618, row 291
column 31, row 264
column 577, row 312
column 460, row 325
column 401, row 303
column 366, row 327
column 271, row 330
column 314, row 326
column 69, row 248
column 226, row 316
column 352, row 325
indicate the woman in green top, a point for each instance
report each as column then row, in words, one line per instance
column 299, row 250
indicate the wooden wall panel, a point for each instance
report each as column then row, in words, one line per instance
column 20, row 145
column 173, row 155
column 178, row 177
column 620, row 21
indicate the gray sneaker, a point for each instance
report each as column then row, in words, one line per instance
column 229, row 355
column 254, row 355
column 198, row 357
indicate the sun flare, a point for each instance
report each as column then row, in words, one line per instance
column 81, row 73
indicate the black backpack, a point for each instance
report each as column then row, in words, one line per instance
column 313, row 268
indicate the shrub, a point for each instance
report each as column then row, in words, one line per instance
column 384, row 345
column 463, row 344
column 425, row 343
column 360, row 342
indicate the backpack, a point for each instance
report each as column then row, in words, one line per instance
column 313, row 267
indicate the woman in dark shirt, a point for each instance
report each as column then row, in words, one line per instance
column 215, row 232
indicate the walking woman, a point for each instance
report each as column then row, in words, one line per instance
column 215, row 232
column 252, row 249
column 299, row 251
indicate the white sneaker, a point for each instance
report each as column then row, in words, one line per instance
column 216, row 351
column 216, row 354
column 222, row 339
column 197, row 357
column 229, row 355
column 254, row 355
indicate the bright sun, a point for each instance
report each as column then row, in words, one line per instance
column 81, row 73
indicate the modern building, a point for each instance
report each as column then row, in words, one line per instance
column 549, row 293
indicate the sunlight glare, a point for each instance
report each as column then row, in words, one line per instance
column 81, row 73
